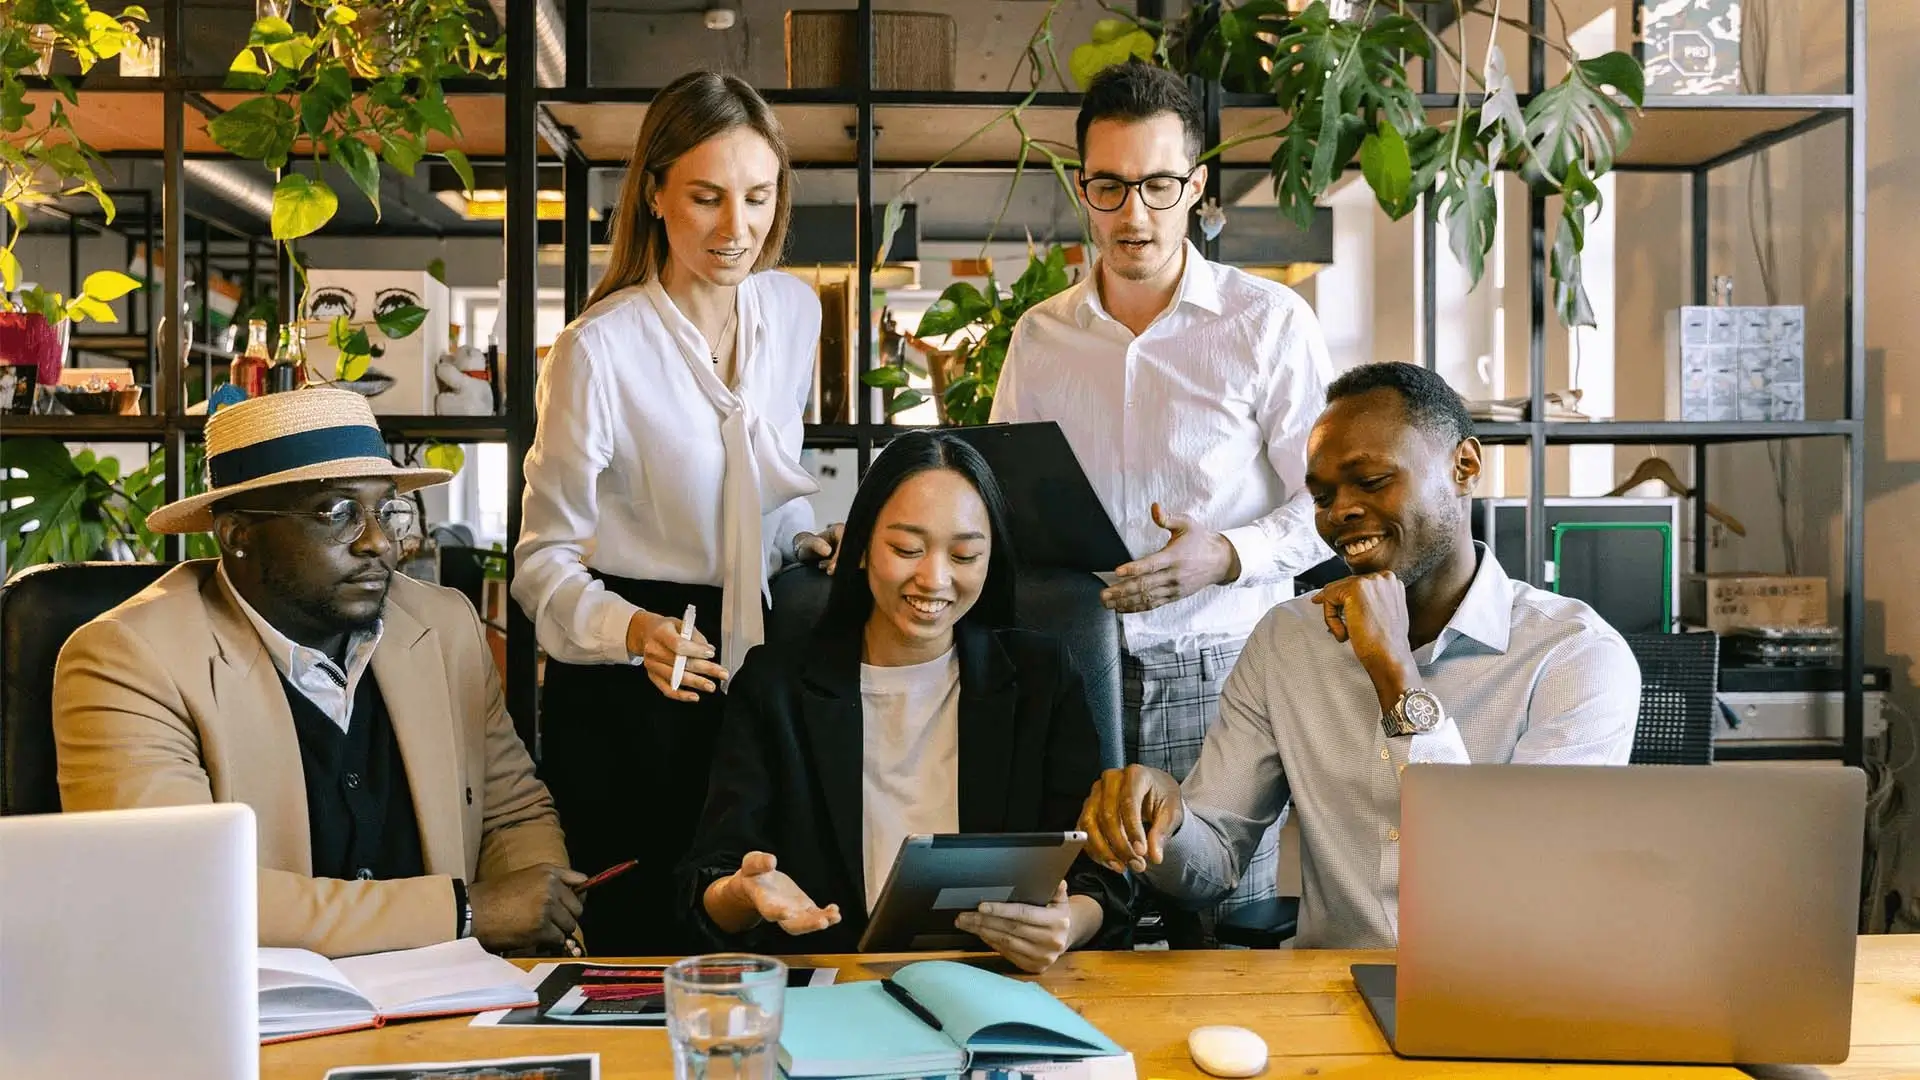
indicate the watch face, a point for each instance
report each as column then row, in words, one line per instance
column 1421, row 709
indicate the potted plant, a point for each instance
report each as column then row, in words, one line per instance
column 306, row 105
column 983, row 323
column 43, row 159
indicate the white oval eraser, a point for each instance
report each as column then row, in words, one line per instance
column 1223, row 1050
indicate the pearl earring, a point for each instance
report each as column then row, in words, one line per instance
column 238, row 554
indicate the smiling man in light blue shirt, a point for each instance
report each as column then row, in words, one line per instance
column 1429, row 653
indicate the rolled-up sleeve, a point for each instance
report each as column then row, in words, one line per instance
column 575, row 619
column 1235, row 791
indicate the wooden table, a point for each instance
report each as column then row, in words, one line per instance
column 1302, row 1003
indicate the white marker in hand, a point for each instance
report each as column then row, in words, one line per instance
column 686, row 634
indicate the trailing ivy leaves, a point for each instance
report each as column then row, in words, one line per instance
column 306, row 102
column 448, row 456
column 43, row 157
column 259, row 128
column 357, row 162
column 356, row 352
column 401, row 321
column 301, row 205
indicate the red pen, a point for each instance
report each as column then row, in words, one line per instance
column 608, row 874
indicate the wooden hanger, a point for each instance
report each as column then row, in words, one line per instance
column 1656, row 468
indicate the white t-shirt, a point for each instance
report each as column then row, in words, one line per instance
column 910, row 767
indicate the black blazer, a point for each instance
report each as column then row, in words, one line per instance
column 786, row 776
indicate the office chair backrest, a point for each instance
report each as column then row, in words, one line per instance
column 1063, row 603
column 1678, row 676
column 40, row 608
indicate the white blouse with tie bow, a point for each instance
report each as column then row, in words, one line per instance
column 649, row 465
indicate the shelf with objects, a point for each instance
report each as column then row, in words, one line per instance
column 189, row 224
column 865, row 138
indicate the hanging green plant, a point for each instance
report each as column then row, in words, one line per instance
column 42, row 157
column 1342, row 85
column 980, row 326
column 309, row 105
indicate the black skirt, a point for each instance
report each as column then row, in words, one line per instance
column 628, row 768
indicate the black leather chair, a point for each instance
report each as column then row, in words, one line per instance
column 39, row 609
column 1059, row 602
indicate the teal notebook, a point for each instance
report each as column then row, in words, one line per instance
column 857, row 1029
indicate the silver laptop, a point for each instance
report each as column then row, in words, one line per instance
column 1638, row 914
column 128, row 944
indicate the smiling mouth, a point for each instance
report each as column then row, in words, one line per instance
column 928, row 607
column 727, row 254
column 1354, row 549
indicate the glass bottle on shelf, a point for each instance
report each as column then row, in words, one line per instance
column 249, row 370
column 289, row 370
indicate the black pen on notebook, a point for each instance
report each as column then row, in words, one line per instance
column 899, row 994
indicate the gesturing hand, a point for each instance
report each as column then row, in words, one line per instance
column 1192, row 560
column 1129, row 815
column 1032, row 937
column 535, row 908
column 771, row 895
column 656, row 640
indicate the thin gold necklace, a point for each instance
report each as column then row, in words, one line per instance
column 733, row 311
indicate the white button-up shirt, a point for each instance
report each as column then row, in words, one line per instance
column 1525, row 677
column 311, row 671
column 629, row 471
column 1206, row 413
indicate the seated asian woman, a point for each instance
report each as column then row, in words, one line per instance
column 917, row 708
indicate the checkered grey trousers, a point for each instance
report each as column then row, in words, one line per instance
column 1169, row 699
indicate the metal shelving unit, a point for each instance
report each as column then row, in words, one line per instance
column 580, row 126
column 588, row 126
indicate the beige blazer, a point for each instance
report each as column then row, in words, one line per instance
column 171, row 699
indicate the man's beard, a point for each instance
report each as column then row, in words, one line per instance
column 1439, row 530
column 325, row 611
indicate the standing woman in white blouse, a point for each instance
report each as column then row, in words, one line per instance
column 665, row 472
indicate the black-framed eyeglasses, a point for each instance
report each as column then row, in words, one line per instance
column 345, row 520
column 1161, row 191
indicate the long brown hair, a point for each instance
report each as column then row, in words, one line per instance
column 692, row 109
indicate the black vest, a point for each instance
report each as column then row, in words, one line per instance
column 360, row 817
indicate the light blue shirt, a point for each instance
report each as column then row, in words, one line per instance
column 1525, row 676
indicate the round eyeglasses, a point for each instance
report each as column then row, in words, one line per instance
column 1161, row 191
column 345, row 520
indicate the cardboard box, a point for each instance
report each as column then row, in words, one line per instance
column 1726, row 602
column 360, row 295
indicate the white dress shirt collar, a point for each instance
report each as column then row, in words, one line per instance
column 1199, row 286
column 1485, row 613
column 309, row 670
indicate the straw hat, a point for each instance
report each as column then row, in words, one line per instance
column 310, row 434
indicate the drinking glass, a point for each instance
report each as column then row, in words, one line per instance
column 723, row 1016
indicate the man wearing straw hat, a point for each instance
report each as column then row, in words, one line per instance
column 355, row 710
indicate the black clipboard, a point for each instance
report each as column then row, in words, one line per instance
column 1058, row 522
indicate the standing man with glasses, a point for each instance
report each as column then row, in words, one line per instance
column 1186, row 389
column 357, row 711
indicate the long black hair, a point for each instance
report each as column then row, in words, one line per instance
column 850, row 602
